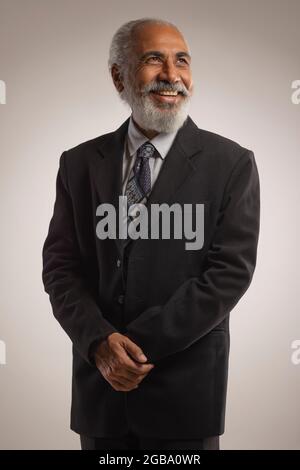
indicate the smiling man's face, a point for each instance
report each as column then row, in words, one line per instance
column 159, row 84
column 162, row 56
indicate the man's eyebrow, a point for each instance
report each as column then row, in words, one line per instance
column 183, row 54
column 160, row 54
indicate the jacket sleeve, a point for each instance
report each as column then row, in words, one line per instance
column 202, row 302
column 72, row 300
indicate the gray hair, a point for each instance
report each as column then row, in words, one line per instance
column 123, row 40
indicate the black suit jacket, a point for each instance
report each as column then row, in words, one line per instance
column 174, row 303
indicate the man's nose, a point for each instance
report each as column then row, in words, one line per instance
column 169, row 72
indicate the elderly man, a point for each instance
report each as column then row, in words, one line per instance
column 149, row 318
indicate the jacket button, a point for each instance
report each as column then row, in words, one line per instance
column 121, row 299
column 118, row 263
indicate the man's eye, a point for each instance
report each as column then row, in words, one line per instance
column 154, row 58
column 182, row 60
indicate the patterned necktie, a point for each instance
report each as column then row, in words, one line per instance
column 139, row 185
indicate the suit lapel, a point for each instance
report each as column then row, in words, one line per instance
column 108, row 165
column 178, row 165
column 106, row 169
column 176, row 170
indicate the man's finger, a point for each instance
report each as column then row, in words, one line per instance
column 120, row 386
column 131, row 365
column 134, row 350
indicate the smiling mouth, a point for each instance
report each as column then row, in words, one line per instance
column 167, row 96
column 167, row 93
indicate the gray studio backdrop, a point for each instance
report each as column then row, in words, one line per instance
column 55, row 92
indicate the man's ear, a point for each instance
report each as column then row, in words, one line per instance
column 117, row 78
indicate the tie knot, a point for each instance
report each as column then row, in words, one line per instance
column 146, row 150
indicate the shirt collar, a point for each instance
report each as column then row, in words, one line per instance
column 162, row 141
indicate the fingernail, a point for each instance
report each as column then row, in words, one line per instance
column 142, row 357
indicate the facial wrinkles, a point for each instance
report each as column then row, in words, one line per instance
column 162, row 117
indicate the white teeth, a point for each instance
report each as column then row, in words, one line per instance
column 168, row 93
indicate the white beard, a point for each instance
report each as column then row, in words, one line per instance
column 165, row 117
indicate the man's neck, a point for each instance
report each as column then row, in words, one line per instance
column 148, row 133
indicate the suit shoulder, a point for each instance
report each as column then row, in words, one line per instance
column 77, row 158
column 88, row 145
column 219, row 143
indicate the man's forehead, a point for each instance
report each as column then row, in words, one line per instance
column 159, row 37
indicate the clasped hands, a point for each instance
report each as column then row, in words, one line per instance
column 121, row 362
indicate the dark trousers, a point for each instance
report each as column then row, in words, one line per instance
column 131, row 441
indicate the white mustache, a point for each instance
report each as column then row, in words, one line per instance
column 158, row 88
